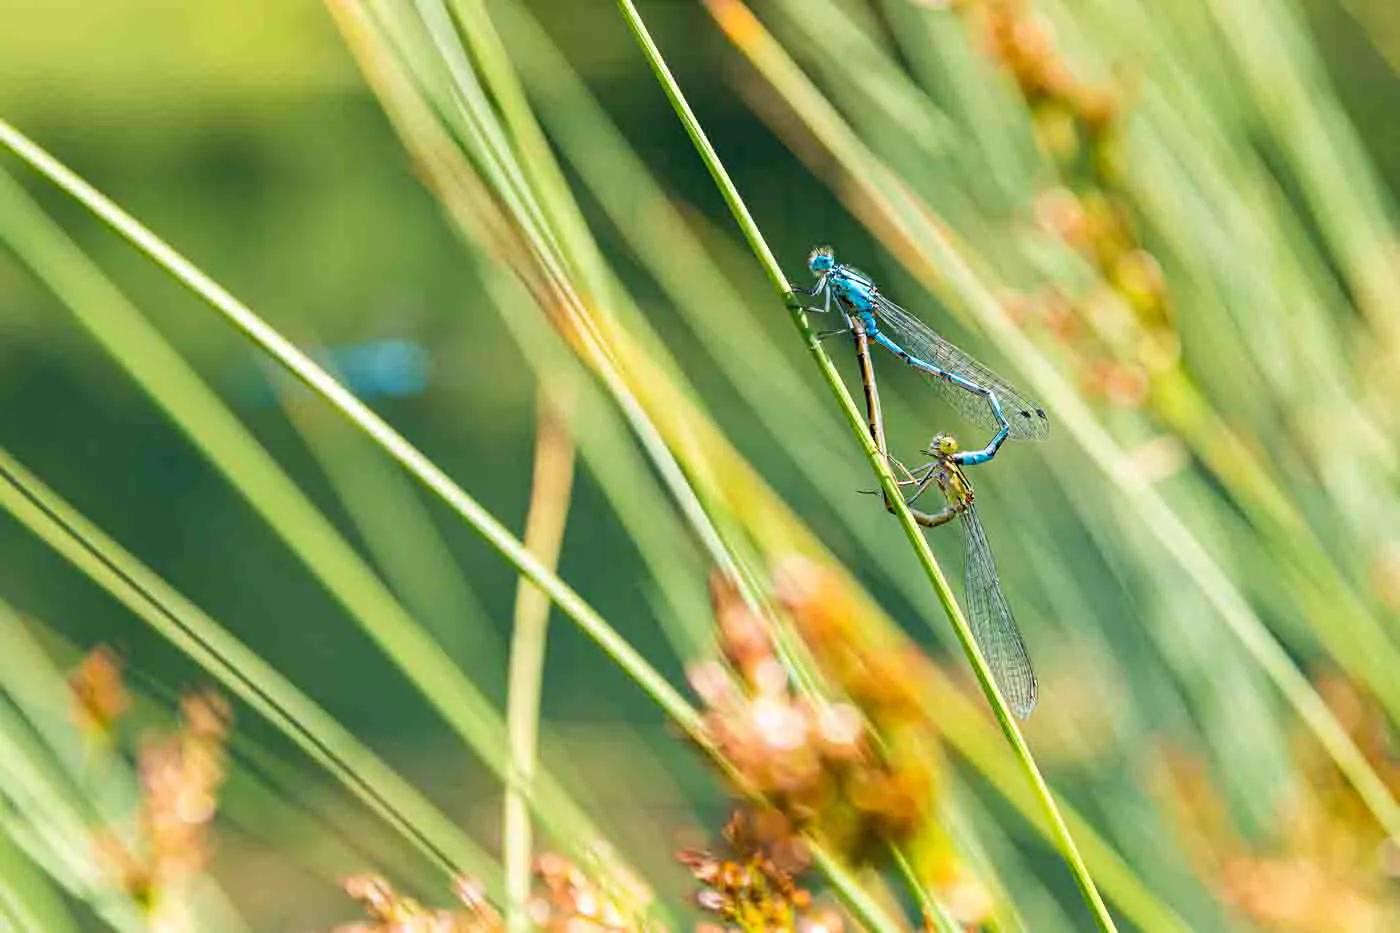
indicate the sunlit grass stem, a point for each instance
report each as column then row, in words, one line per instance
column 933, row 254
column 574, row 607
column 561, row 269
column 240, row 671
column 221, row 437
column 27, row 897
column 936, row 916
column 544, row 536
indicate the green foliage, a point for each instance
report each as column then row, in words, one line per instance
column 1158, row 218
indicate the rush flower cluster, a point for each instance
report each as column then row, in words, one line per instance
column 567, row 901
column 1130, row 336
column 570, row 901
column 180, row 776
column 392, row 912
column 99, row 694
column 751, row 886
column 817, row 762
column 1325, row 865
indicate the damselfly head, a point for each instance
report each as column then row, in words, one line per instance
column 821, row 260
column 942, row 445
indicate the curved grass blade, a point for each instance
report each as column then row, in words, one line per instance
column 27, row 897
column 398, row 531
column 240, row 671
column 433, row 478
column 544, row 535
column 218, row 434
column 928, row 250
column 542, row 242
column 43, row 820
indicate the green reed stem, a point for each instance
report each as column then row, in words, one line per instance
column 759, row 245
column 407, row 547
column 727, row 189
column 135, row 344
column 240, row 671
column 646, row 216
column 936, row 916
column 927, row 249
column 303, row 368
column 544, row 536
column 28, row 900
column 482, row 135
column 426, row 472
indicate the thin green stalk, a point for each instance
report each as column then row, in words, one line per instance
column 1350, row 203
column 623, row 475
column 240, row 671
column 49, row 805
column 985, row 846
column 508, row 177
column 936, row 915
column 595, row 335
column 544, row 536
column 708, row 156
column 549, row 189
column 28, row 896
column 425, row 471
column 647, row 217
column 1353, row 635
column 486, row 140
column 928, row 250
column 269, row 795
column 606, row 318
column 604, row 151
column 398, row 530
column 58, row 812
column 115, row 911
column 43, row 696
column 479, row 220
column 135, row 344
column 887, row 482
column 17, row 828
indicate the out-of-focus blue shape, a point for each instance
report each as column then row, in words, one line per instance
column 388, row 368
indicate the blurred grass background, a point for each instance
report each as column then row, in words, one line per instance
column 245, row 134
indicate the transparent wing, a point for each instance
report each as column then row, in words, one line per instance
column 992, row 623
column 851, row 272
column 1027, row 418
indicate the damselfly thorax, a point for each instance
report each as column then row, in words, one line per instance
column 953, row 483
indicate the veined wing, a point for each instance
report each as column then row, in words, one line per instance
column 1027, row 419
column 992, row 623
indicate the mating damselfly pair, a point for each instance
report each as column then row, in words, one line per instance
column 983, row 398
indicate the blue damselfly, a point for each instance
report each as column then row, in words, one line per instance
column 979, row 394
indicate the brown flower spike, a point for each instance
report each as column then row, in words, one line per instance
column 568, row 901
column 752, row 886
column 1080, row 125
column 99, row 695
column 392, row 912
column 814, row 760
column 180, row 775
